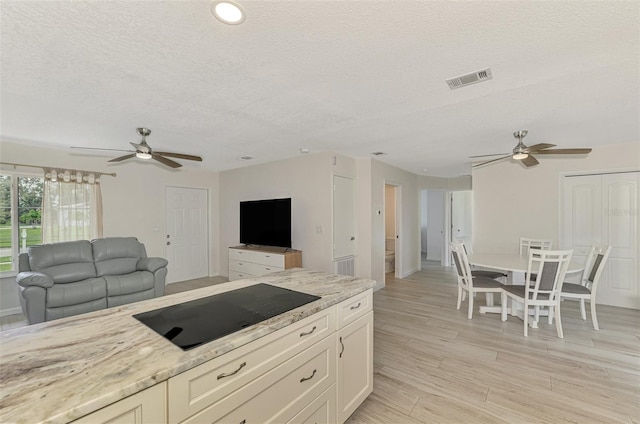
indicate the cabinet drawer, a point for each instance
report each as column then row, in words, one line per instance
column 235, row 275
column 209, row 383
column 354, row 307
column 279, row 394
column 251, row 268
column 321, row 411
column 264, row 258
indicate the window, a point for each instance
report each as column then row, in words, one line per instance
column 20, row 217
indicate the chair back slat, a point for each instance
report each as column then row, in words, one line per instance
column 550, row 267
column 596, row 266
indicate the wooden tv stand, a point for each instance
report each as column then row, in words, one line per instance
column 252, row 261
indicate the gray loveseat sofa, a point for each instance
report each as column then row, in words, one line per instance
column 62, row 279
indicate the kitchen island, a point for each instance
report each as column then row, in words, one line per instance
column 87, row 366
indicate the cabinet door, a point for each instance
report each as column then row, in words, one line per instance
column 146, row 407
column 355, row 365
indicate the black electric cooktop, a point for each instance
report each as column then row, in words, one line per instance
column 200, row 321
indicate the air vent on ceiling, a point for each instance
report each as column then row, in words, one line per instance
column 468, row 79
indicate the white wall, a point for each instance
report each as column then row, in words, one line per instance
column 133, row 202
column 423, row 220
column 307, row 180
column 511, row 201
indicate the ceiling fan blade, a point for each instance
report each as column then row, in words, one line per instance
column 97, row 148
column 490, row 161
column 536, row 147
column 179, row 156
column 582, row 151
column 166, row 161
column 529, row 161
column 121, row 158
column 484, row 156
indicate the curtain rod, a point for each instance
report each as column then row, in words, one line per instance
column 112, row 174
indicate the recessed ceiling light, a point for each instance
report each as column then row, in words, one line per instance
column 378, row 153
column 228, row 12
column 246, row 157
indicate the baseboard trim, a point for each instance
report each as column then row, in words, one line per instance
column 10, row 311
column 408, row 273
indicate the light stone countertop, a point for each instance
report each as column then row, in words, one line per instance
column 61, row 370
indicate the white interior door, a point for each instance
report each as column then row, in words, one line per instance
column 603, row 210
column 187, row 229
column 344, row 214
column 461, row 217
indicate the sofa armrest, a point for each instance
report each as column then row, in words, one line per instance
column 151, row 264
column 26, row 279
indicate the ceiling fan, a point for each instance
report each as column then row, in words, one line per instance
column 144, row 151
column 525, row 153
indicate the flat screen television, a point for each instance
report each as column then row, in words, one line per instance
column 266, row 222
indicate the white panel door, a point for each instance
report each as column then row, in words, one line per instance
column 619, row 284
column 461, row 217
column 344, row 215
column 603, row 210
column 187, row 233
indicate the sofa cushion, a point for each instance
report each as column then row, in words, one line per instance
column 79, row 292
column 63, row 262
column 118, row 285
column 71, row 310
column 116, row 255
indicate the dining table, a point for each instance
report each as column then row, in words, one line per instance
column 511, row 263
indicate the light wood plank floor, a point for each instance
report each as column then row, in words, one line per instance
column 433, row 365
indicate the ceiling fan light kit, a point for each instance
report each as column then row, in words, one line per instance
column 524, row 153
column 144, row 151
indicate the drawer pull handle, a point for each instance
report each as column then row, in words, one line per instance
column 341, row 344
column 302, row 380
column 357, row 306
column 308, row 332
column 223, row 375
column 243, row 422
column 268, row 269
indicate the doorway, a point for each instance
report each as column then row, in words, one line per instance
column 432, row 225
column 392, row 226
column 187, row 233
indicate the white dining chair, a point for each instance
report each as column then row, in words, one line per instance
column 550, row 267
column 467, row 283
column 586, row 289
column 526, row 244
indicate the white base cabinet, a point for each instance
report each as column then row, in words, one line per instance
column 355, row 365
column 317, row 370
column 247, row 262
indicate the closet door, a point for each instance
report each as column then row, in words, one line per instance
column 620, row 280
column 603, row 210
column 344, row 217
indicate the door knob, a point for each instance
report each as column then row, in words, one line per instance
column 352, row 238
column 168, row 243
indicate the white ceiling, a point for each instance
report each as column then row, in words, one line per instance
column 348, row 76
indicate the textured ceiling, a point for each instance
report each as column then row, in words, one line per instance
column 349, row 76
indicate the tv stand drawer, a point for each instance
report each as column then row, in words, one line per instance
column 258, row 257
column 245, row 262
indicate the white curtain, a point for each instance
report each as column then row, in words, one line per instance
column 71, row 206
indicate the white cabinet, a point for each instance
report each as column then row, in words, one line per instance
column 317, row 370
column 354, row 381
column 146, row 407
column 246, row 262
